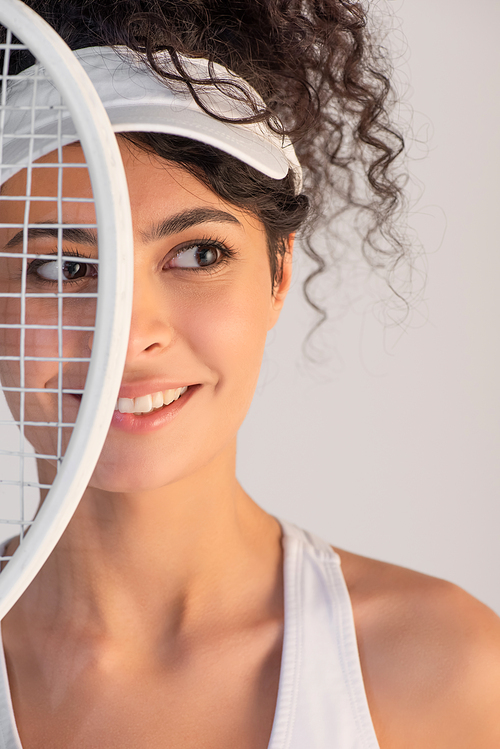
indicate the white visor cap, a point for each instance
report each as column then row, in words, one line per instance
column 138, row 100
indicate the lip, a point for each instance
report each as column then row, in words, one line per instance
column 156, row 419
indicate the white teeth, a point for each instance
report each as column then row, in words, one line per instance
column 168, row 396
column 146, row 403
column 126, row 405
column 157, row 399
column 143, row 404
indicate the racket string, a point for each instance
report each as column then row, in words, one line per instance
column 18, row 457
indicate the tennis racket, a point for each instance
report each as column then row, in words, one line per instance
column 64, row 317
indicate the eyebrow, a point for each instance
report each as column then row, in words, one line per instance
column 177, row 223
column 185, row 220
column 79, row 236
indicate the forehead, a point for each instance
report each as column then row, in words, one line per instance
column 52, row 188
column 46, row 173
column 156, row 188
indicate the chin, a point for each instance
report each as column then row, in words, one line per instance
column 135, row 475
column 130, row 481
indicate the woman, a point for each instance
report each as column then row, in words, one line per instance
column 174, row 611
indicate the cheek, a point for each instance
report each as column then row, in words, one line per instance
column 37, row 343
column 34, row 407
column 42, row 406
column 43, row 343
column 227, row 329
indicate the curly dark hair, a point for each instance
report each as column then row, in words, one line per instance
column 325, row 84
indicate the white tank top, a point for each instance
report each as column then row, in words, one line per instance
column 321, row 698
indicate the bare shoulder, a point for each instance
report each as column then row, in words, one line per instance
column 430, row 655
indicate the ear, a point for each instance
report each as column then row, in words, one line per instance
column 281, row 290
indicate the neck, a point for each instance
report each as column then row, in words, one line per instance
column 165, row 558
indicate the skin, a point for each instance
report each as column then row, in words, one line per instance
column 163, row 600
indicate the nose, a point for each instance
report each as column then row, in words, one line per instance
column 151, row 331
column 150, row 328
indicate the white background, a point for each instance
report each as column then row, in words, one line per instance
column 392, row 450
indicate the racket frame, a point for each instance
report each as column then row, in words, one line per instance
column 114, row 303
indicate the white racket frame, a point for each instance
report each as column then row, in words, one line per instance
column 114, row 305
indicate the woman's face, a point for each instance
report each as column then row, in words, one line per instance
column 203, row 303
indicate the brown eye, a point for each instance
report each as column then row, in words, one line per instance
column 197, row 256
column 71, row 270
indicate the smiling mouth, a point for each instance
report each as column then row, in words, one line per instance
column 145, row 404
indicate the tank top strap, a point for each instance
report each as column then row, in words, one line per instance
column 322, row 702
column 308, row 539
